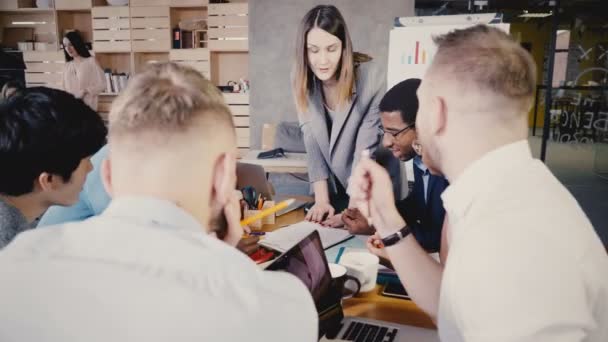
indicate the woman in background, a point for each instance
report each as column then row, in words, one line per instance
column 82, row 75
column 337, row 93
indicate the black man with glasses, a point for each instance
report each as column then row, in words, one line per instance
column 423, row 208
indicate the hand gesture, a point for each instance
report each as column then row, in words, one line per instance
column 319, row 212
column 356, row 223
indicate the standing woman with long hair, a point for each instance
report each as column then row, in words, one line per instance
column 337, row 93
column 82, row 75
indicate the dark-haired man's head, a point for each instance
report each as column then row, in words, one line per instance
column 10, row 88
column 398, row 110
column 46, row 139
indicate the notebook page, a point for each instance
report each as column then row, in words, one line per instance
column 284, row 238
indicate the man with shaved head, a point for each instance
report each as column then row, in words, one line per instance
column 524, row 263
column 159, row 263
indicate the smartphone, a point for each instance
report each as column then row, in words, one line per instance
column 393, row 289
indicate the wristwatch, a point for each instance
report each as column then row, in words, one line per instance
column 396, row 237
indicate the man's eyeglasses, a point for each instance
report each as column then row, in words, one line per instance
column 382, row 132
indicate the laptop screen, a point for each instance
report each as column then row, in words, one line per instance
column 307, row 261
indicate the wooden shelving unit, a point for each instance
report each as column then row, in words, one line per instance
column 127, row 38
column 119, row 62
column 144, row 58
column 21, row 6
column 198, row 59
column 44, row 68
column 228, row 27
column 28, row 25
column 150, row 29
column 194, row 14
column 239, row 106
column 80, row 19
column 72, row 5
column 111, row 29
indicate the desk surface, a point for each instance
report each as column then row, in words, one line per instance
column 371, row 304
column 292, row 163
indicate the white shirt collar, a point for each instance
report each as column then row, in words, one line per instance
column 152, row 211
column 418, row 162
column 482, row 176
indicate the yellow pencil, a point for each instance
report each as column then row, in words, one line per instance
column 268, row 211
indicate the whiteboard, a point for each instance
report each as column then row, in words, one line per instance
column 411, row 49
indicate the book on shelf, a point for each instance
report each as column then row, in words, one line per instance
column 122, row 80
column 115, row 82
column 108, row 76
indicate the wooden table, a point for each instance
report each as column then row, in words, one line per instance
column 370, row 304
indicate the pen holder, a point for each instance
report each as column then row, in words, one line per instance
column 257, row 224
column 270, row 219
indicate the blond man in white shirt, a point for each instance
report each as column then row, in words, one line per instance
column 524, row 262
column 150, row 267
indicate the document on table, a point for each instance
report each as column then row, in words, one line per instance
column 284, row 238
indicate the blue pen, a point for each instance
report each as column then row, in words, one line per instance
column 340, row 251
column 257, row 233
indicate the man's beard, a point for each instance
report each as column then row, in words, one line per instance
column 219, row 225
column 431, row 157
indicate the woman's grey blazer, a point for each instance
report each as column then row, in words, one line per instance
column 338, row 151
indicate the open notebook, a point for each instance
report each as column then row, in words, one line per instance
column 284, row 238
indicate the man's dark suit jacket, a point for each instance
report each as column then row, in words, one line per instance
column 425, row 218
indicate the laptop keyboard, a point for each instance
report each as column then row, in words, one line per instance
column 363, row 332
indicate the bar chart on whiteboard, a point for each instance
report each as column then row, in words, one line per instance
column 415, row 56
column 411, row 50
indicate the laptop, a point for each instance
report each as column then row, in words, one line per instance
column 307, row 261
column 255, row 176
